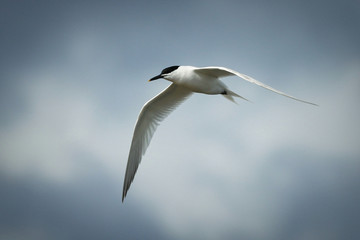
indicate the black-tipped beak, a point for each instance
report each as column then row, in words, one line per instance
column 154, row 78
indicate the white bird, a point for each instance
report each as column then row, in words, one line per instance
column 185, row 80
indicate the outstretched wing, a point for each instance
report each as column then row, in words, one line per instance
column 152, row 113
column 225, row 72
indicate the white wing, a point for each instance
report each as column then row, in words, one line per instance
column 152, row 113
column 225, row 72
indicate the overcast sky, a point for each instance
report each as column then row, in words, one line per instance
column 73, row 78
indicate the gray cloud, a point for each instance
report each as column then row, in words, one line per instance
column 85, row 208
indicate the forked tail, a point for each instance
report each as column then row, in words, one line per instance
column 230, row 94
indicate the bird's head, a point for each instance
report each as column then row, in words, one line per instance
column 165, row 73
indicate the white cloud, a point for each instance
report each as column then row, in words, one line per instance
column 61, row 120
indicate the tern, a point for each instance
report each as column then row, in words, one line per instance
column 185, row 81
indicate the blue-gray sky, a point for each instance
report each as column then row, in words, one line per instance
column 73, row 78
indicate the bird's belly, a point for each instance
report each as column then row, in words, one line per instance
column 207, row 86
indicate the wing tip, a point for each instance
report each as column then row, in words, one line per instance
column 303, row 101
column 124, row 193
column 123, row 197
column 125, row 189
column 314, row 104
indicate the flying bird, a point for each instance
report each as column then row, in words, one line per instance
column 185, row 81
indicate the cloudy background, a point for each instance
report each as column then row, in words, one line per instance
column 73, row 78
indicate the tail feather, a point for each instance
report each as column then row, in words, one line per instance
column 230, row 94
